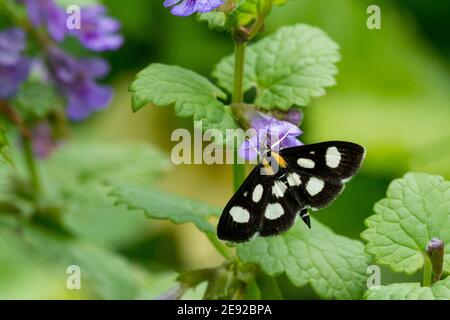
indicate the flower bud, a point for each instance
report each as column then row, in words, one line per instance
column 435, row 250
column 294, row 116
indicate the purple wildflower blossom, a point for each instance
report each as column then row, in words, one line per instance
column 188, row 7
column 14, row 68
column 97, row 31
column 294, row 116
column 49, row 14
column 77, row 79
column 271, row 132
column 43, row 140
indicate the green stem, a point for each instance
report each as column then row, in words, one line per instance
column 239, row 59
column 426, row 282
column 238, row 97
column 14, row 117
column 31, row 163
column 223, row 250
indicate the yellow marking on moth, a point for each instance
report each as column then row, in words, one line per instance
column 268, row 168
column 279, row 159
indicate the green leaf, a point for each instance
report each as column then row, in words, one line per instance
column 157, row 204
column 287, row 68
column 35, row 100
column 247, row 11
column 5, row 153
column 190, row 93
column 416, row 209
column 74, row 195
column 73, row 191
column 217, row 20
column 411, row 291
column 335, row 266
column 268, row 286
column 99, row 160
column 104, row 275
column 75, row 177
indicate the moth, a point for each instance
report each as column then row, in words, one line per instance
column 285, row 184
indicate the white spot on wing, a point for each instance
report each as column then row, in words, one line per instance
column 278, row 189
column 306, row 163
column 240, row 215
column 294, row 179
column 257, row 193
column 333, row 157
column 314, row 186
column 274, row 211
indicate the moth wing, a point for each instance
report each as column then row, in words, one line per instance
column 241, row 217
column 333, row 159
column 318, row 172
column 282, row 208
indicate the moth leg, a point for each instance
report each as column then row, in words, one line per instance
column 305, row 217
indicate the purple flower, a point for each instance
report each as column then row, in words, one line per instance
column 43, row 141
column 294, row 116
column 188, row 7
column 77, row 79
column 98, row 32
column 14, row 68
column 47, row 13
column 269, row 132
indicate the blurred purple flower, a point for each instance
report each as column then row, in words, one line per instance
column 14, row 68
column 271, row 132
column 77, row 79
column 188, row 7
column 294, row 116
column 97, row 31
column 43, row 141
column 49, row 14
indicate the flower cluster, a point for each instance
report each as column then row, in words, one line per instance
column 270, row 132
column 188, row 7
column 46, row 13
column 98, row 32
column 74, row 77
column 14, row 67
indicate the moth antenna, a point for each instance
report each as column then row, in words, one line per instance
column 280, row 140
column 254, row 147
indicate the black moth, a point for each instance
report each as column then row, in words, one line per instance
column 309, row 176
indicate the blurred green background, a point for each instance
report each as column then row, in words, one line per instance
column 392, row 96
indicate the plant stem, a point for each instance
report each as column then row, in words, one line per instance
column 239, row 59
column 223, row 250
column 426, row 282
column 14, row 117
column 238, row 97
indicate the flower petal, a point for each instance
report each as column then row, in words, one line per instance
column 94, row 67
column 186, row 8
column 169, row 3
column 207, row 5
column 249, row 149
column 290, row 142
